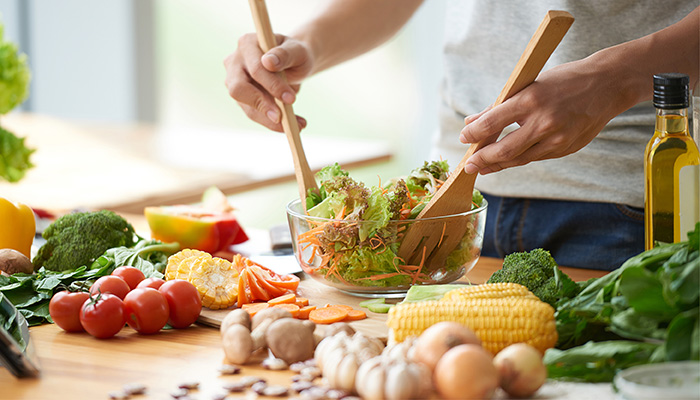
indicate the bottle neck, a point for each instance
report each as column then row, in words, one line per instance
column 673, row 121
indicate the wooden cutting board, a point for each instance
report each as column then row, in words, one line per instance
column 319, row 295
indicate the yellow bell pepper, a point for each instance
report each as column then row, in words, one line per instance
column 17, row 227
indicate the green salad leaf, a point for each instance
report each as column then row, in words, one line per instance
column 14, row 156
column 14, row 75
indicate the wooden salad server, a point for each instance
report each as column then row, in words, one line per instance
column 266, row 40
column 428, row 243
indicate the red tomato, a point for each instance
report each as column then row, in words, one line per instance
column 131, row 275
column 102, row 316
column 64, row 309
column 110, row 284
column 151, row 283
column 146, row 309
column 184, row 301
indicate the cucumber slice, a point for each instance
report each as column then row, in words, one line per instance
column 381, row 308
column 367, row 303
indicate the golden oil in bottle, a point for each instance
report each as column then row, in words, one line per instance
column 671, row 163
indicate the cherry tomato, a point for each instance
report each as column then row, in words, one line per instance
column 103, row 316
column 151, row 283
column 64, row 309
column 131, row 275
column 146, row 310
column 184, row 301
column 110, row 284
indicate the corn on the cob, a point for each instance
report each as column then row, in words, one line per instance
column 498, row 322
column 180, row 263
column 489, row 291
column 216, row 281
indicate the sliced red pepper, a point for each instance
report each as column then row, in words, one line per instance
column 195, row 227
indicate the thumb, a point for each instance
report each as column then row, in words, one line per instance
column 288, row 54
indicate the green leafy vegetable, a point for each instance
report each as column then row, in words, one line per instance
column 79, row 238
column 14, row 75
column 651, row 302
column 14, row 156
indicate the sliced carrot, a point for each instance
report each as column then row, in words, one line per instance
column 289, row 298
column 254, row 308
column 305, row 311
column 302, row 302
column 343, row 306
column 328, row 315
column 292, row 308
column 355, row 315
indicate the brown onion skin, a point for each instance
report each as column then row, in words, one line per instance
column 466, row 371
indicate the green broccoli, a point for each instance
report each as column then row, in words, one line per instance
column 77, row 239
column 537, row 271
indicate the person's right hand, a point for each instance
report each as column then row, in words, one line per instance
column 252, row 77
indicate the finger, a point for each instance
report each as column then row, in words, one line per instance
column 288, row 54
column 492, row 153
column 490, row 123
column 534, row 153
column 247, row 93
column 255, row 115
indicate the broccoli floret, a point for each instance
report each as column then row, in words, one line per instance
column 77, row 239
column 537, row 271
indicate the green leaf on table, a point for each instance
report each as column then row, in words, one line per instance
column 682, row 339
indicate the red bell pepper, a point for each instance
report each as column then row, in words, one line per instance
column 195, row 227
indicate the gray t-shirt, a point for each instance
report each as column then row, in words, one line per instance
column 484, row 40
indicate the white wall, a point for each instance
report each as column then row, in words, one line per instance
column 82, row 54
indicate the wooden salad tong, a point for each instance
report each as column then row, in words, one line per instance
column 428, row 243
column 266, row 40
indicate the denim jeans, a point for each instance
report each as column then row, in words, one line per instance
column 577, row 234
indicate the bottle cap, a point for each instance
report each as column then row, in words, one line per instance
column 671, row 90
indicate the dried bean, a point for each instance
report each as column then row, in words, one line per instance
column 336, row 394
column 297, row 367
column 179, row 393
column 259, row 387
column 313, row 393
column 235, row 387
column 300, row 386
column 275, row 391
column 228, row 369
column 219, row 396
column 118, row 395
column 134, row 388
column 191, row 385
column 251, row 380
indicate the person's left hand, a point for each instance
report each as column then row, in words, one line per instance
column 558, row 114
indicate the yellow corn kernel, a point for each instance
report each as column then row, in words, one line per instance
column 488, row 291
column 180, row 263
column 498, row 322
column 216, row 281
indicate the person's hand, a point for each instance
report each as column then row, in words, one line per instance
column 252, row 79
column 558, row 114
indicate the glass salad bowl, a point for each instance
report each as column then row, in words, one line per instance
column 360, row 258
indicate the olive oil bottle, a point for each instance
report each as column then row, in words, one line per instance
column 671, row 165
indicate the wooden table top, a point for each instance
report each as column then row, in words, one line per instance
column 76, row 365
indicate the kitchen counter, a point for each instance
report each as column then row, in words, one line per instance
column 125, row 167
column 80, row 366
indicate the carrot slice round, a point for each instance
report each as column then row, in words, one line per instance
column 254, row 308
column 305, row 311
column 328, row 315
column 292, row 308
column 355, row 315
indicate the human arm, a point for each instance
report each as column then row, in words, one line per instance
column 343, row 30
column 567, row 106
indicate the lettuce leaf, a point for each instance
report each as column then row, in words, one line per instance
column 14, row 156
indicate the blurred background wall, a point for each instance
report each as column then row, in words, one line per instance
column 160, row 61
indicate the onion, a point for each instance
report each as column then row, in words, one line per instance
column 466, row 372
column 521, row 369
column 439, row 338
